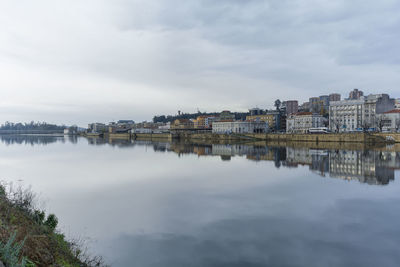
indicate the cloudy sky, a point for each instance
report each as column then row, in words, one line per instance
column 79, row 61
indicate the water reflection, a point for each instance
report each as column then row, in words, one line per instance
column 373, row 166
column 367, row 166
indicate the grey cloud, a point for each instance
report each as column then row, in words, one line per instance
column 230, row 49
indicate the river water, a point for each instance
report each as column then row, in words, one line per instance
column 142, row 203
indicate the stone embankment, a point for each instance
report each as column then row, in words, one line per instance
column 311, row 138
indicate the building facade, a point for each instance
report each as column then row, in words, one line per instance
column 228, row 127
column 97, row 127
column 292, row 106
column 334, row 97
column 359, row 114
column 182, row 124
column 390, row 121
column 273, row 120
column 355, row 94
column 303, row 121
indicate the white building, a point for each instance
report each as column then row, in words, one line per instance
column 390, row 121
column 301, row 122
column 238, row 127
column 355, row 115
column 166, row 127
column 346, row 115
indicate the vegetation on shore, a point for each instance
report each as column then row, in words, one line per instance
column 29, row 238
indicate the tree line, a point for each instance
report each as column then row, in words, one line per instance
column 171, row 118
column 31, row 126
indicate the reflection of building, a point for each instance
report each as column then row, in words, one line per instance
column 317, row 160
column 364, row 166
column 371, row 167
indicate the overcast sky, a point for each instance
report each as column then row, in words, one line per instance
column 81, row 61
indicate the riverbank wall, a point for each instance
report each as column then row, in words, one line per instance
column 316, row 138
column 269, row 137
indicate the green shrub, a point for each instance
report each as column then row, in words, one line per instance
column 39, row 216
column 51, row 221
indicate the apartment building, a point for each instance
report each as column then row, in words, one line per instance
column 358, row 114
column 303, row 121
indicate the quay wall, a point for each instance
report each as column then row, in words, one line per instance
column 315, row 138
column 153, row 136
column 310, row 138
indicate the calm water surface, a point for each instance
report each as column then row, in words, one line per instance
column 170, row 205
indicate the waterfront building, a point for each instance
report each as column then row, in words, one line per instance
column 182, row 124
column 303, row 121
column 273, row 119
column 72, row 130
column 208, row 122
column 97, row 127
column 355, row 94
column 358, row 114
column 228, row 127
column 346, row 115
column 164, row 127
column 200, row 122
column 376, row 104
column 390, row 121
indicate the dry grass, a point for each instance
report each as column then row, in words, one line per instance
column 43, row 245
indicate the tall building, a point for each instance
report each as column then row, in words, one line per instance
column 356, row 94
column 305, row 107
column 292, row 106
column 324, row 104
column 314, row 104
column 334, row 97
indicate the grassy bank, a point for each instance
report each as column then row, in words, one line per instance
column 28, row 237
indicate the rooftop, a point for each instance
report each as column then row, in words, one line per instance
column 392, row 111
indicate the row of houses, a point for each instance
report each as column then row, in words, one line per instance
column 374, row 112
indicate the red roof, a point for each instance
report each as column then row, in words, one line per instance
column 393, row 111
